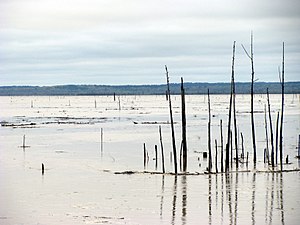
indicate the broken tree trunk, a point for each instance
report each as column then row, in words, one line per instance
column 162, row 151
column 229, row 116
column 282, row 109
column 252, row 97
column 209, row 135
column 172, row 123
column 222, row 166
column 183, row 118
column 271, row 129
column 234, row 113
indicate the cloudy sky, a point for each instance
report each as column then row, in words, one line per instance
column 54, row 42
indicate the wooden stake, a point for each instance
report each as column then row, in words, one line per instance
column 101, row 131
column 145, row 156
column 242, row 137
column 156, row 158
column 43, row 168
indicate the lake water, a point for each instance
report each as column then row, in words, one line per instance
column 79, row 185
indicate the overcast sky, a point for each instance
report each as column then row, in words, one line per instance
column 54, row 42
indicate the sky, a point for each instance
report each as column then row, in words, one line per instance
column 119, row 42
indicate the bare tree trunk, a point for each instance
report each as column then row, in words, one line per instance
column 209, row 135
column 276, row 139
column 243, row 153
column 234, row 113
column 222, row 157
column 271, row 129
column 229, row 116
column 282, row 109
column 267, row 136
column 172, row 123
column 252, row 98
column 216, row 160
column 183, row 118
column 162, row 151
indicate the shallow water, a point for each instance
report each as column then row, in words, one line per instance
column 79, row 185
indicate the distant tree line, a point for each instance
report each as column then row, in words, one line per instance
column 190, row 88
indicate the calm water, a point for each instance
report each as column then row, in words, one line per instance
column 79, row 185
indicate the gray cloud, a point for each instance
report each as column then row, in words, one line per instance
column 55, row 42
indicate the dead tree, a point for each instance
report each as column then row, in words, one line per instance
column 229, row 116
column 209, row 135
column 276, row 138
column 282, row 109
column 267, row 136
column 271, row 129
column 162, row 151
column 234, row 113
column 252, row 97
column 221, row 132
column 216, row 159
column 172, row 123
column 183, row 119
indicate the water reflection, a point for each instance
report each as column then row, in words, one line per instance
column 184, row 199
column 230, row 198
column 174, row 200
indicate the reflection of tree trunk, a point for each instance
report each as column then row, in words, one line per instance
column 236, row 198
column 209, row 200
column 281, row 199
column 174, row 200
column 267, row 200
column 222, row 197
column 184, row 199
column 228, row 192
column 162, row 195
column 272, row 200
column 253, row 198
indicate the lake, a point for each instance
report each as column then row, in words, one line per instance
column 84, row 180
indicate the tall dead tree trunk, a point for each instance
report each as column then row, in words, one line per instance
column 271, row 129
column 252, row 97
column 234, row 113
column 209, row 135
column 229, row 116
column 183, row 119
column 222, row 158
column 172, row 123
column 282, row 109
